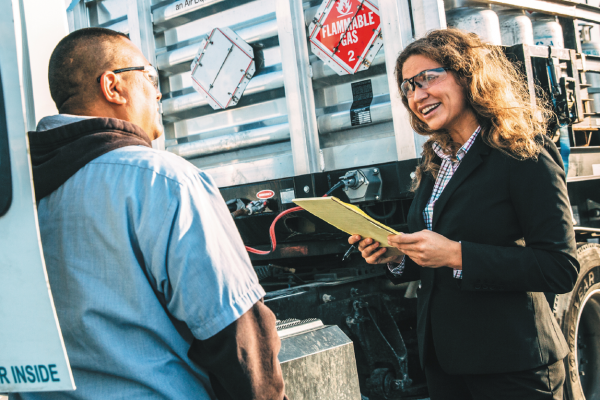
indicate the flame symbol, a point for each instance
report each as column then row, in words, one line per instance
column 344, row 7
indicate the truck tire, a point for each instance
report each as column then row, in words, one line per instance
column 578, row 314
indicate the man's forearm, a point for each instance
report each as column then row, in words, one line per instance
column 242, row 358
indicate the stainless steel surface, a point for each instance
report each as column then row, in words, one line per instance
column 270, row 166
column 456, row 4
column 427, row 15
column 179, row 9
column 298, row 87
column 233, row 141
column 139, row 24
column 119, row 26
column 480, row 20
column 319, row 364
column 395, row 23
column 267, row 113
column 361, row 153
column 381, row 111
column 257, row 139
column 596, row 100
column 186, row 102
column 588, row 45
column 547, row 31
column 515, row 27
column 581, row 160
column 101, row 12
column 560, row 8
column 252, row 34
column 78, row 18
column 236, row 14
column 139, row 20
column 294, row 326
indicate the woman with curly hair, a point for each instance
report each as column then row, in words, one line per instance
column 490, row 225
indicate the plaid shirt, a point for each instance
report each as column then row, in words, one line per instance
column 447, row 170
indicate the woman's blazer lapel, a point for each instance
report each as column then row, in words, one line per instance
column 472, row 159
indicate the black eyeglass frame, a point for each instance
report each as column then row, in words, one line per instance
column 413, row 84
column 153, row 78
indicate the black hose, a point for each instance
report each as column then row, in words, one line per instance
column 337, row 185
column 373, row 214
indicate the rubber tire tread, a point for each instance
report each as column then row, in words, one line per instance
column 566, row 310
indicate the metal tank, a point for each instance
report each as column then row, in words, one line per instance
column 296, row 115
column 591, row 48
column 474, row 17
column 547, row 31
column 588, row 46
column 515, row 27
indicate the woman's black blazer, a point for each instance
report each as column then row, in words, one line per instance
column 514, row 222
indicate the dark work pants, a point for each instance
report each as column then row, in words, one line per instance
column 542, row 383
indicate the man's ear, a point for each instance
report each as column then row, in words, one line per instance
column 112, row 88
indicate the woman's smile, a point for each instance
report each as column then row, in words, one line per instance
column 427, row 110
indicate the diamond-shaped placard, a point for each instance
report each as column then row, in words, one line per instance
column 223, row 68
column 346, row 34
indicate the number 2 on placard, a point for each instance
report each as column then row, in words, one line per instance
column 351, row 54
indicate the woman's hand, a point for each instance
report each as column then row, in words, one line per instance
column 371, row 251
column 428, row 249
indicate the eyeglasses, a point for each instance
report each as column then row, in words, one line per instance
column 152, row 73
column 423, row 80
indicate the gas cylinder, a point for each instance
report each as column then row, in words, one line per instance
column 546, row 30
column 591, row 48
column 515, row 27
column 474, row 17
column 587, row 45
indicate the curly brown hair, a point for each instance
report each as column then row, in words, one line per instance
column 495, row 89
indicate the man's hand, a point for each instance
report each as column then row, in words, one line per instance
column 429, row 249
column 242, row 359
column 371, row 252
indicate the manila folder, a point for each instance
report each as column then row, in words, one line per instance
column 350, row 219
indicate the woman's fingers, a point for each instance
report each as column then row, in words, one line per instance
column 354, row 239
column 404, row 239
column 369, row 249
column 375, row 258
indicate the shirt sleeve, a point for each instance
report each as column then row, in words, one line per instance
column 397, row 268
column 457, row 273
column 198, row 261
column 410, row 271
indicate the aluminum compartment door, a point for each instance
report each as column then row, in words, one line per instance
column 218, row 49
column 228, row 78
column 32, row 353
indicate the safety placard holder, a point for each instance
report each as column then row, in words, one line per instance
column 346, row 34
column 223, row 68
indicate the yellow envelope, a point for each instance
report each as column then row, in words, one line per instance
column 350, row 219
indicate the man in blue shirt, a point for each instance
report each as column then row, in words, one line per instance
column 143, row 257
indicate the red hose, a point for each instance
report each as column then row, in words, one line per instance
column 272, row 233
column 272, row 228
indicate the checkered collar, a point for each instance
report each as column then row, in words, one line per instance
column 460, row 153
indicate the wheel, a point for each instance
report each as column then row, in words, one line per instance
column 578, row 314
